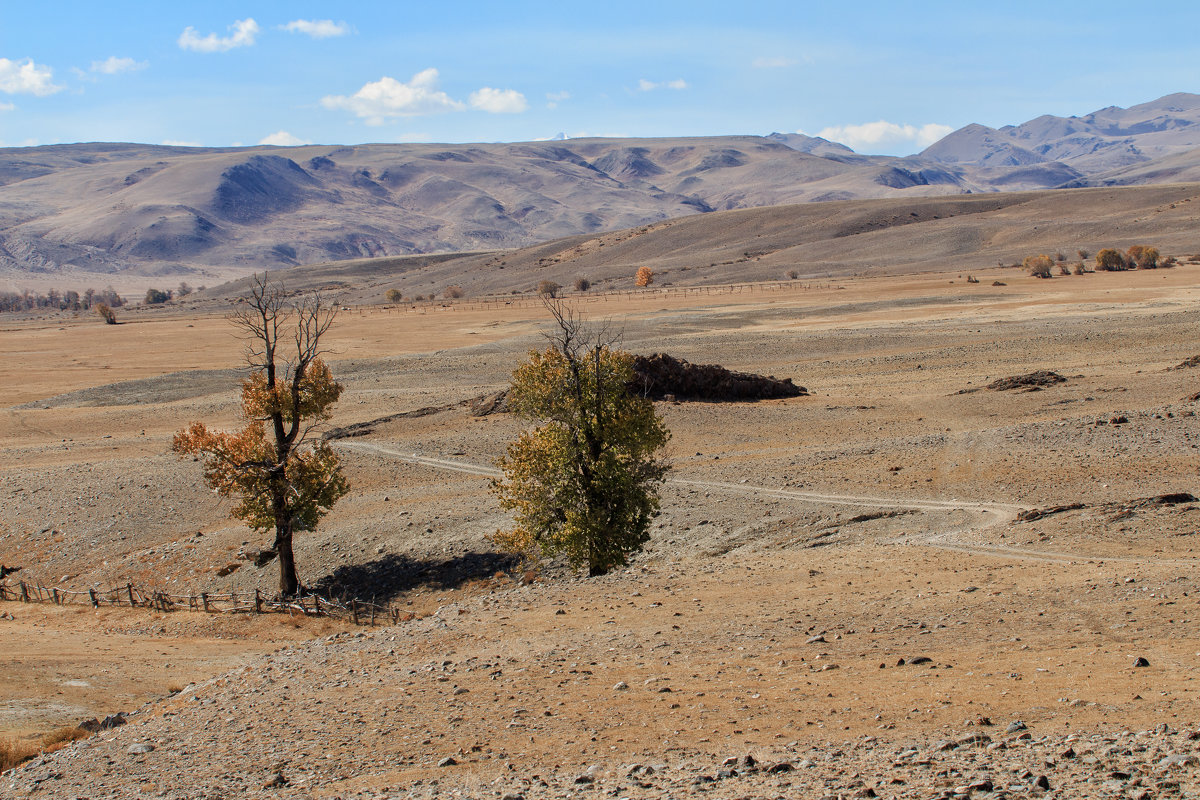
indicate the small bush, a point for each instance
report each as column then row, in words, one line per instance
column 1080, row 268
column 1083, row 254
column 972, row 279
column 184, row 289
column 644, row 277
column 419, row 298
column 1168, row 262
column 548, row 288
column 1060, row 257
column 1063, row 269
column 1142, row 257
column 394, row 295
column 1038, row 266
column 107, row 314
column 453, row 292
column 1109, row 260
column 156, row 297
column 793, row 274
column 582, row 284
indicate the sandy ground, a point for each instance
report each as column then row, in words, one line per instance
column 877, row 513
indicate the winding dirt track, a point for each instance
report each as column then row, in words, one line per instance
column 986, row 515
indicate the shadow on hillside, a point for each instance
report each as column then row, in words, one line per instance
column 393, row 574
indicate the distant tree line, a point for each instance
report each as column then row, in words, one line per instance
column 59, row 300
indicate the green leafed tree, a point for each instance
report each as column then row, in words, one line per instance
column 583, row 482
column 283, row 478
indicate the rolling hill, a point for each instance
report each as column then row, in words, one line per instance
column 132, row 215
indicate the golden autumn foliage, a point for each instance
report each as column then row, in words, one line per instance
column 279, row 478
column 584, row 483
column 644, row 277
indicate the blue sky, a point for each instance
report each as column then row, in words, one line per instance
column 881, row 77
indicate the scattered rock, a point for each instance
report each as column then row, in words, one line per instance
column 448, row 761
column 276, row 782
column 140, row 748
column 1141, row 662
column 1015, row 726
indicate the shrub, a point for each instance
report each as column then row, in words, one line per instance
column 1060, row 257
column 1109, row 260
column 1063, row 269
column 156, row 296
column 394, row 295
column 582, row 284
column 1038, row 266
column 793, row 274
column 453, row 292
column 1142, row 257
column 107, row 314
column 184, row 289
column 14, row 751
column 1080, row 268
column 1168, row 262
column 548, row 288
column 644, row 277
column 419, row 298
column 972, row 279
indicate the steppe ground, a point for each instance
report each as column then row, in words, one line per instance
column 805, row 547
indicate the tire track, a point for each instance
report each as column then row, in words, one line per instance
column 988, row 515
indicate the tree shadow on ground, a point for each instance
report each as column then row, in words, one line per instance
column 391, row 575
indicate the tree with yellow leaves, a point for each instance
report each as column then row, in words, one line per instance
column 282, row 479
column 644, row 277
column 585, row 482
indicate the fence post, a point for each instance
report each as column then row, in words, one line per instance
column 257, row 602
column 204, row 600
column 24, row 592
column 129, row 588
column 54, row 594
column 354, row 611
column 92, row 597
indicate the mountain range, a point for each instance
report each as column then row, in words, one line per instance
column 126, row 213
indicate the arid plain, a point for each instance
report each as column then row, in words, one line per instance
column 805, row 547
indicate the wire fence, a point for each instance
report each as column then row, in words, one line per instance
column 358, row 612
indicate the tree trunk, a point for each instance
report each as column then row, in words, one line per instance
column 288, row 584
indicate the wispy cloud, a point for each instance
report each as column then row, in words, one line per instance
column 499, row 101
column 180, row 143
column 554, row 98
column 884, row 134
column 115, row 66
column 649, row 86
column 26, row 77
column 7, row 107
column 776, row 62
column 242, row 33
column 388, row 98
column 283, row 139
column 316, row 28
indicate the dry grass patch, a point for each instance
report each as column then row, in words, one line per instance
column 16, row 751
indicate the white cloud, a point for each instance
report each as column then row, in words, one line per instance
column 115, row 66
column 243, row 33
column 283, row 139
column 26, row 77
column 7, row 107
column 764, row 62
column 648, row 86
column 884, row 134
column 554, row 98
column 316, row 28
column 179, row 143
column 499, row 101
column 388, row 98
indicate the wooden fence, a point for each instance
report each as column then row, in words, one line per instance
column 356, row 611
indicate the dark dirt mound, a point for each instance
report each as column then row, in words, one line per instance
column 1041, row 513
column 660, row 375
column 1030, row 382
